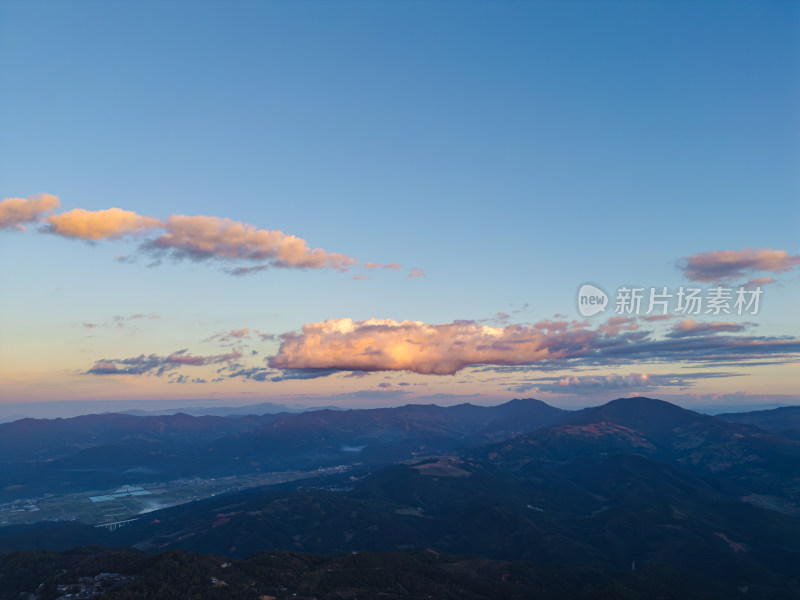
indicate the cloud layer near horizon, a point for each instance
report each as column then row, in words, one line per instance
column 591, row 384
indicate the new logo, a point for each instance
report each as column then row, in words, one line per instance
column 591, row 300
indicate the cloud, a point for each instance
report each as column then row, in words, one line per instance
column 416, row 272
column 590, row 384
column 203, row 238
column 254, row 373
column 758, row 281
column 303, row 374
column 93, row 225
column 158, row 365
column 445, row 349
column 651, row 318
column 389, row 345
column 16, row 211
column 121, row 321
column 175, row 378
column 179, row 237
column 727, row 264
column 373, row 265
column 692, row 327
column 616, row 324
column 233, row 335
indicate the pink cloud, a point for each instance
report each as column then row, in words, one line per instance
column 725, row 264
column 616, row 324
column 233, row 335
column 759, row 281
column 416, row 272
column 16, row 211
column 203, row 237
column 111, row 223
column 376, row 265
column 692, row 327
column 194, row 237
column 652, row 318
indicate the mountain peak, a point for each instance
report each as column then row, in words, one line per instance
column 640, row 413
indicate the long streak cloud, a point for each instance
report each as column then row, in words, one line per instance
column 445, row 349
column 197, row 238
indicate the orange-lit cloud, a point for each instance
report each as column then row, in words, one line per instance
column 16, row 211
column 444, row 349
column 111, row 223
column 203, row 237
column 726, row 264
column 389, row 345
column 181, row 236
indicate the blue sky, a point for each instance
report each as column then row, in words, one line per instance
column 511, row 151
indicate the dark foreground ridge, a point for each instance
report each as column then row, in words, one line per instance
column 126, row 574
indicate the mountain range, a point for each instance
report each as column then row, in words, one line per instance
column 635, row 485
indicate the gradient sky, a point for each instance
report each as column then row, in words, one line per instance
column 491, row 157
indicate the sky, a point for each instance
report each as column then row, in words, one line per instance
column 378, row 203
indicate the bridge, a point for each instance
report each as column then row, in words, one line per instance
column 116, row 524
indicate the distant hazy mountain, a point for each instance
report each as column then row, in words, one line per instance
column 261, row 408
column 103, row 451
column 784, row 420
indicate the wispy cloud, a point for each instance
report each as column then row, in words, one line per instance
column 157, row 365
column 758, row 281
column 722, row 265
column 688, row 327
column 616, row 324
column 232, row 335
column 121, row 320
column 591, row 384
column 15, row 212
